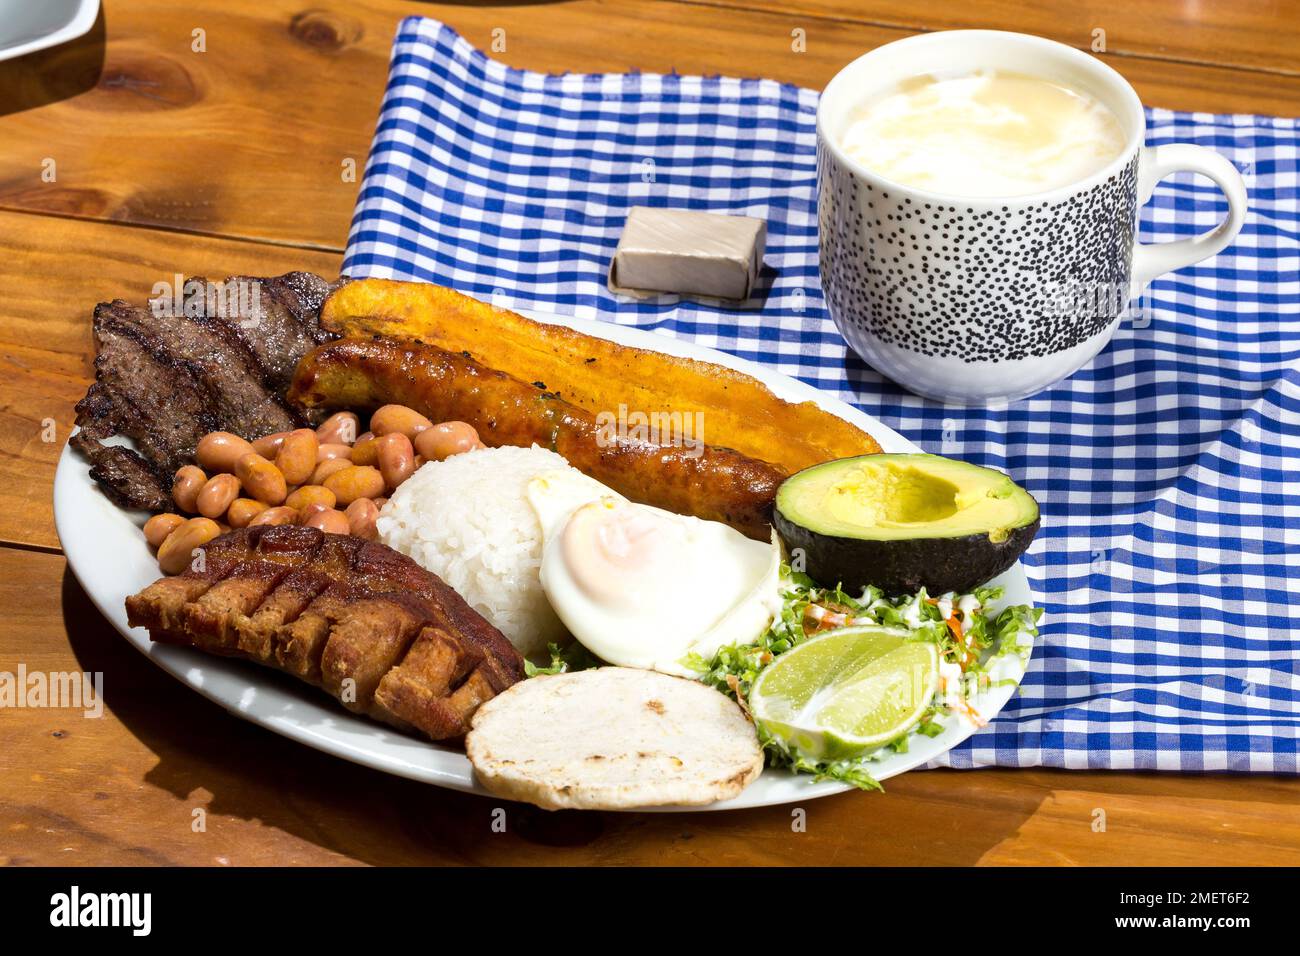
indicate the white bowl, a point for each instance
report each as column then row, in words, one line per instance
column 29, row 25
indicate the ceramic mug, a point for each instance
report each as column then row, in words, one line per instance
column 980, row 300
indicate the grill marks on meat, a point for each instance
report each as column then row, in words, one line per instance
column 145, row 387
column 165, row 380
column 127, row 479
column 355, row 618
column 274, row 330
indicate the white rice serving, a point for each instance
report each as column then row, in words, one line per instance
column 468, row 520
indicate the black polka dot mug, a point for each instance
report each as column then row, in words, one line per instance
column 984, row 300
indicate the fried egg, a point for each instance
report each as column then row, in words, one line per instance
column 643, row 587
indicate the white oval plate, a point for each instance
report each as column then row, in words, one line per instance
column 107, row 553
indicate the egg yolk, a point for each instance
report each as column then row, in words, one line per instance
column 620, row 555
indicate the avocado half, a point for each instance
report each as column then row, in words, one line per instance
column 902, row 522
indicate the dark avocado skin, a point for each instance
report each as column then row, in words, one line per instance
column 904, row 566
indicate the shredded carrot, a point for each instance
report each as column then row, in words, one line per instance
column 829, row 620
column 972, row 716
column 964, row 657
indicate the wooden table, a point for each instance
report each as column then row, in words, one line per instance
column 128, row 156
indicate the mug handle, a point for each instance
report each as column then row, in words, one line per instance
column 1151, row 259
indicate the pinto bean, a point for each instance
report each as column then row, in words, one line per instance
column 300, row 498
column 329, row 520
column 217, row 494
column 398, row 418
column 396, row 459
column 176, row 552
column 326, row 468
column 189, row 481
column 296, row 458
column 361, row 515
column 273, row 516
column 446, row 439
column 268, row 445
column 366, row 450
column 309, row 509
column 242, row 511
column 217, row 452
column 261, row 479
column 358, row 481
column 157, row 528
column 328, row 450
column 341, row 428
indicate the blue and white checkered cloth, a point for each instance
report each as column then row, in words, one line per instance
column 1169, row 557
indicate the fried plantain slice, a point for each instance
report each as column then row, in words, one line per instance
column 597, row 375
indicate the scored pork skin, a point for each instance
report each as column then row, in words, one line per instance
column 368, row 625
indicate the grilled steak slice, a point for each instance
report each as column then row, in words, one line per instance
column 355, row 618
column 274, row 320
column 127, row 479
column 142, row 391
column 219, row 359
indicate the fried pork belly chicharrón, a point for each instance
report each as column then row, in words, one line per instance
column 220, row 359
column 355, row 618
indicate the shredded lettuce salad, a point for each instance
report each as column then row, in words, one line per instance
column 958, row 624
column 571, row 657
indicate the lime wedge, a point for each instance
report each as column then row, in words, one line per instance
column 846, row 692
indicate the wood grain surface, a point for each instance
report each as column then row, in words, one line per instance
column 168, row 160
column 1251, row 36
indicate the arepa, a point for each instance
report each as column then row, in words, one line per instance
column 613, row 738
